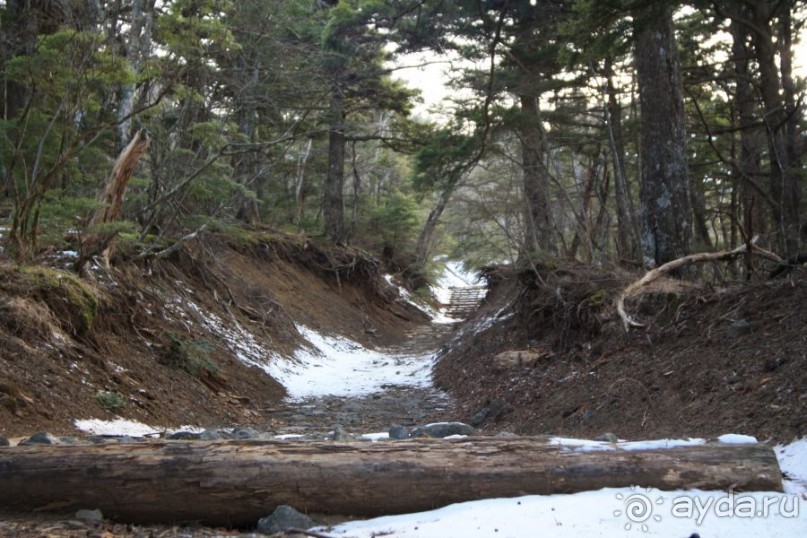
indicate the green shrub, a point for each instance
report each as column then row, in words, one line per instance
column 111, row 401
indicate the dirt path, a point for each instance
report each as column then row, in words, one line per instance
column 397, row 404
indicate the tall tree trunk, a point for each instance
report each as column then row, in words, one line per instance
column 792, row 126
column 426, row 237
column 245, row 172
column 785, row 189
column 627, row 225
column 753, row 209
column 666, row 210
column 333, row 203
column 138, row 44
column 538, row 233
column 299, row 188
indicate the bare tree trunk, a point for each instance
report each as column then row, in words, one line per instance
column 138, row 43
column 785, row 189
column 235, row 483
column 245, row 169
column 299, row 189
column 627, row 225
column 333, row 203
column 426, row 238
column 666, row 209
column 753, row 208
column 538, row 233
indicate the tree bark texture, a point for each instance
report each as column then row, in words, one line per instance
column 333, row 203
column 753, row 205
column 627, row 226
column 665, row 203
column 785, row 188
column 237, row 482
column 538, row 233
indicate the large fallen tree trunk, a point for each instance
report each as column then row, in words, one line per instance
column 236, row 482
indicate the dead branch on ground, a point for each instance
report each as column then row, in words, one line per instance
column 679, row 263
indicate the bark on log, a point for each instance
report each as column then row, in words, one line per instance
column 235, row 483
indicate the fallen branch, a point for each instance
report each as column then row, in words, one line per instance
column 673, row 265
column 149, row 254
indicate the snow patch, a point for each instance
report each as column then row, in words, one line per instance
column 338, row 366
column 737, row 439
column 123, row 427
column 793, row 461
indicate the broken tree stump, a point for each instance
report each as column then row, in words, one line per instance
column 235, row 483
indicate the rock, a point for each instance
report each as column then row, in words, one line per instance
column 70, row 440
column 506, row 435
column 607, row 437
column 479, row 417
column 90, row 517
column 397, row 431
column 442, row 429
column 774, row 363
column 245, row 433
column 4, row 441
column 519, row 358
column 738, row 328
column 40, row 438
column 284, row 517
column 338, row 433
column 183, row 436
column 491, row 412
column 210, row 435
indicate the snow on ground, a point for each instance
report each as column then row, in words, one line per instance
column 615, row 512
column 338, row 366
column 125, row 427
column 793, row 461
column 610, row 512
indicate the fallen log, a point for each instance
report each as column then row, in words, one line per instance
column 235, row 483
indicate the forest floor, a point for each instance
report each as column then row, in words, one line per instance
column 178, row 342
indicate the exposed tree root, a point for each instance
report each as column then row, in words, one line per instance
column 674, row 265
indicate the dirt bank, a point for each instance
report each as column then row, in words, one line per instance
column 169, row 341
column 710, row 360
